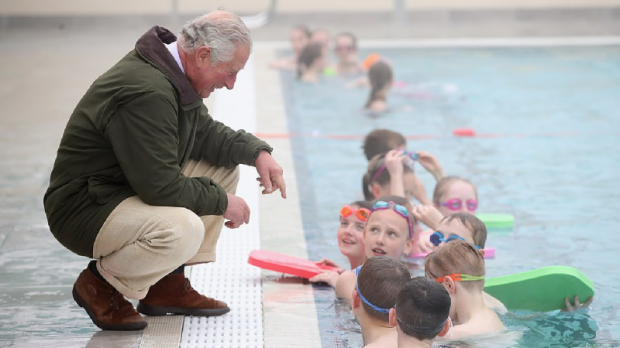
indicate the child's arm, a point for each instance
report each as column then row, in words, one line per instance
column 431, row 164
column 345, row 285
column 419, row 192
column 329, row 277
column 428, row 215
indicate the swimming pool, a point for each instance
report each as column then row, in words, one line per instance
column 546, row 152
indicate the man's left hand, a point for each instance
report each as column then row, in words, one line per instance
column 270, row 174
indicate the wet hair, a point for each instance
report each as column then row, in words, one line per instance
column 364, row 204
column 307, row 57
column 349, row 35
column 380, row 75
column 444, row 184
column 422, row 308
column 304, row 29
column 379, row 281
column 375, row 164
column 222, row 31
column 381, row 141
column 473, row 224
column 457, row 256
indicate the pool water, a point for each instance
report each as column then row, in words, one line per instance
column 547, row 120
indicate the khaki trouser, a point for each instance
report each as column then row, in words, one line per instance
column 139, row 243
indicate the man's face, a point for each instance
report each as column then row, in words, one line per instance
column 206, row 78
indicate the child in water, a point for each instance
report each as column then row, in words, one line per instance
column 452, row 194
column 299, row 37
column 310, row 63
column 421, row 313
column 380, row 77
column 377, row 287
column 350, row 235
column 389, row 232
column 459, row 266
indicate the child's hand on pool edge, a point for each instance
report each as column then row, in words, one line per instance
column 329, row 277
column 571, row 308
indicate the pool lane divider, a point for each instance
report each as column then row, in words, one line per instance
column 461, row 133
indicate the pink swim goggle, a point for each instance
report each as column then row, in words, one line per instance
column 455, row 204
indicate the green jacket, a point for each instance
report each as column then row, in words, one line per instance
column 130, row 135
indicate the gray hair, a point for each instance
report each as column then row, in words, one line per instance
column 221, row 30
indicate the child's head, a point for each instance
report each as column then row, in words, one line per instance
column 380, row 77
column 376, row 181
column 353, row 219
column 380, row 141
column 460, row 261
column 345, row 46
column 321, row 37
column 389, row 230
column 461, row 226
column 310, row 59
column 379, row 281
column 422, row 309
column 299, row 38
column 453, row 194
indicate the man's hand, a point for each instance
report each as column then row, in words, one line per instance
column 237, row 212
column 270, row 174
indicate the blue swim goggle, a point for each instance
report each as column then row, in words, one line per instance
column 438, row 238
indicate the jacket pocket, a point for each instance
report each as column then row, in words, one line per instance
column 102, row 189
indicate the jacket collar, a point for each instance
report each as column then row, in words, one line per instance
column 151, row 47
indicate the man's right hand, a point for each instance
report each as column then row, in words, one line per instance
column 237, row 212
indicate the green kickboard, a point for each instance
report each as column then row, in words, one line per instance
column 497, row 220
column 540, row 290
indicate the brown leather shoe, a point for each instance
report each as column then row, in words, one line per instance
column 107, row 308
column 173, row 294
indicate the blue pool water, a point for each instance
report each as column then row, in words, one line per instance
column 549, row 154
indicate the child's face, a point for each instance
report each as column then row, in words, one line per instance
column 351, row 235
column 460, row 191
column 298, row 40
column 387, row 234
column 455, row 228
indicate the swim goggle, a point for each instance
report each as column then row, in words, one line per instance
column 412, row 156
column 361, row 213
column 438, row 238
column 399, row 209
column 460, row 277
column 456, row 204
column 378, row 309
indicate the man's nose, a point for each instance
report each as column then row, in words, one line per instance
column 230, row 82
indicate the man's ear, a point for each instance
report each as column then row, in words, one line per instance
column 392, row 318
column 203, row 57
column 356, row 299
column 446, row 328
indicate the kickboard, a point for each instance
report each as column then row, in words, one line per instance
column 497, row 221
column 286, row 264
column 540, row 290
column 489, row 253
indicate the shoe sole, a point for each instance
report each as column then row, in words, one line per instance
column 196, row 312
column 124, row 327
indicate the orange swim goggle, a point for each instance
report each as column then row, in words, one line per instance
column 460, row 277
column 362, row 213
